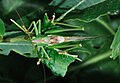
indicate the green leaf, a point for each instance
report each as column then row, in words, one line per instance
column 69, row 3
column 23, row 48
column 2, row 28
column 58, row 63
column 93, row 28
column 111, row 7
column 115, row 46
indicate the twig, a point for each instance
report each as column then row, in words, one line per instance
column 63, row 15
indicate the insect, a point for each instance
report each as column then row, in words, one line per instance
column 36, row 32
column 39, row 37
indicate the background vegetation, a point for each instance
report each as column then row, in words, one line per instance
column 100, row 53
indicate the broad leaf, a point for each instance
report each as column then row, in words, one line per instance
column 23, row 48
column 2, row 28
column 111, row 7
column 71, row 3
column 58, row 63
column 116, row 45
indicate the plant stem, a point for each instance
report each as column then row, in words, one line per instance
column 63, row 15
column 97, row 58
column 93, row 60
column 106, row 26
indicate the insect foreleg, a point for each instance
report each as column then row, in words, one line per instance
column 30, row 27
column 39, row 26
column 34, row 26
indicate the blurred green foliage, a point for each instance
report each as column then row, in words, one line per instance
column 96, row 67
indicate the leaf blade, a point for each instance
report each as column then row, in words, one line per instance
column 69, row 3
column 58, row 62
column 2, row 28
column 20, row 47
column 115, row 46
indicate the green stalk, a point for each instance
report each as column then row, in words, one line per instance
column 106, row 26
column 96, row 59
column 93, row 60
column 63, row 15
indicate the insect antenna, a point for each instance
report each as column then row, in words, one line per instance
column 23, row 28
column 23, row 25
